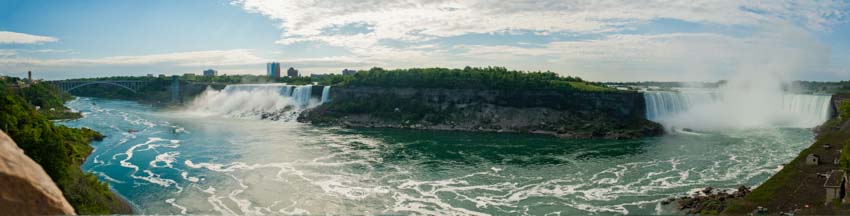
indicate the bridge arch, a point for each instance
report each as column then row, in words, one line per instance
column 101, row 82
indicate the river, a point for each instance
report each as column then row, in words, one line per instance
column 171, row 162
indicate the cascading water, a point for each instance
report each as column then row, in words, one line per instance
column 256, row 101
column 326, row 93
column 711, row 110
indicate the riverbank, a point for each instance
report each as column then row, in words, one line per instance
column 59, row 150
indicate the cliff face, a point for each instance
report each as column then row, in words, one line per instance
column 559, row 113
column 26, row 188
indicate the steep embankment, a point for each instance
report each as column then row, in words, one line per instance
column 569, row 114
column 59, row 150
column 27, row 190
column 799, row 186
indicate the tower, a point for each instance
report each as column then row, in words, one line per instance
column 175, row 89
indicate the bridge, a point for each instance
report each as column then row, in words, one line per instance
column 70, row 85
column 131, row 85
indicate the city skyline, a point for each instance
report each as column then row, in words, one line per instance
column 600, row 41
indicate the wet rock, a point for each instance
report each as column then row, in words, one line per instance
column 707, row 200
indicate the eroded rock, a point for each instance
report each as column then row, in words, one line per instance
column 25, row 189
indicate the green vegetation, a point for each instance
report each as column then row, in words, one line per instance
column 489, row 78
column 48, row 100
column 222, row 79
column 387, row 107
column 59, row 150
column 797, row 184
column 844, row 109
column 814, row 87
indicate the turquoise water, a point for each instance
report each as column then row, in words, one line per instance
column 173, row 163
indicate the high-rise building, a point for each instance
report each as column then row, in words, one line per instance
column 348, row 72
column 292, row 72
column 210, row 73
column 273, row 69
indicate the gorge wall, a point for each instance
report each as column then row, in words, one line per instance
column 569, row 114
column 26, row 188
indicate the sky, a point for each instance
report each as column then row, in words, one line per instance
column 599, row 40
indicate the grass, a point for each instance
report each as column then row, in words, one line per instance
column 583, row 86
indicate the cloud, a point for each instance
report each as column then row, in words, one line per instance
column 196, row 58
column 617, row 53
column 7, row 37
column 784, row 51
column 8, row 52
column 412, row 21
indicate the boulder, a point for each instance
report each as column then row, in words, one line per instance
column 25, row 189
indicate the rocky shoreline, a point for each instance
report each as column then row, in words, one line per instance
column 708, row 200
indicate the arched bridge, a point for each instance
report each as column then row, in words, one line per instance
column 69, row 85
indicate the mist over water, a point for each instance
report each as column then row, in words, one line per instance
column 255, row 101
column 714, row 110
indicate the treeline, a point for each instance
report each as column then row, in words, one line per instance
column 221, row 79
column 490, row 78
column 58, row 149
column 49, row 101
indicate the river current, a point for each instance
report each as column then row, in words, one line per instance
column 168, row 162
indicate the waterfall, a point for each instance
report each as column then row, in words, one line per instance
column 664, row 103
column 326, row 94
column 301, row 95
column 703, row 109
column 257, row 101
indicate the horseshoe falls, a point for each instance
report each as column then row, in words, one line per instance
column 712, row 110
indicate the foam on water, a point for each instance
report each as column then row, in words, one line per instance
column 246, row 167
column 255, row 101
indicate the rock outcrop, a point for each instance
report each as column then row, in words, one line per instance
column 568, row 114
column 25, row 189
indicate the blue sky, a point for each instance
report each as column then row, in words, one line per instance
column 597, row 40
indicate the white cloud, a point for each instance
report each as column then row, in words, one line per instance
column 405, row 20
column 7, row 37
column 8, row 52
column 196, row 58
column 785, row 51
column 615, row 56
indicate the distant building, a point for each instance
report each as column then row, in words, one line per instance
column 161, row 76
column 210, row 73
column 834, row 186
column 292, row 72
column 150, row 75
column 348, row 72
column 273, row 69
column 812, row 159
column 188, row 75
column 29, row 76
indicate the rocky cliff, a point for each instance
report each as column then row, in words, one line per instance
column 569, row 114
column 25, row 189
